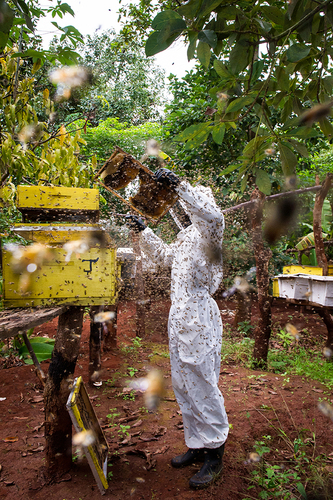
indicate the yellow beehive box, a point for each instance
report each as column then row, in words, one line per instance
column 60, row 233
column 57, row 197
column 51, row 203
column 90, row 278
column 276, row 290
column 298, row 269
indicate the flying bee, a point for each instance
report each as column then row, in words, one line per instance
column 84, row 438
column 75, row 246
column 327, row 352
column 315, row 114
column 68, row 78
column 26, row 260
column 153, row 387
column 104, row 317
column 292, row 330
column 241, row 284
column 254, row 457
column 280, row 219
column 326, row 409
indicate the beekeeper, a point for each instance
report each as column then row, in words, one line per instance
column 195, row 326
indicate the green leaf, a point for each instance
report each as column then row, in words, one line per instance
column 198, row 139
column 297, row 52
column 302, row 491
column 159, row 41
column 190, row 9
column 208, row 36
column 221, row 70
column 41, row 349
column 203, row 53
column 326, row 127
column 300, row 148
column 6, row 20
column 274, row 14
column 190, row 132
column 258, row 66
column 239, row 103
column 168, row 18
column 218, row 133
column 193, row 36
column 263, row 181
column 229, row 169
column 288, row 159
column 239, row 56
column 207, row 6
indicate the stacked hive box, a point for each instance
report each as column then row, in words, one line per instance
column 88, row 278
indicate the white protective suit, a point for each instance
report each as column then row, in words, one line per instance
column 195, row 325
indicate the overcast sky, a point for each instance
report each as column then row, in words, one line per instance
column 92, row 15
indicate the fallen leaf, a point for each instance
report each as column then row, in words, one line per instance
column 21, row 418
column 11, row 439
column 40, row 448
column 3, row 399
column 139, row 422
column 236, row 389
column 140, row 480
column 162, row 450
column 160, row 431
column 9, row 483
column 272, row 392
column 316, row 390
column 36, row 399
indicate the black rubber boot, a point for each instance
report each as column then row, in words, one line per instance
column 192, row 455
column 210, row 470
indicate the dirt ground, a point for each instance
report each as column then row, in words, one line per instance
column 256, row 402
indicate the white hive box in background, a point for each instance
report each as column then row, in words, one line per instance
column 322, row 290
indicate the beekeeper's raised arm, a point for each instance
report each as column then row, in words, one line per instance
column 158, row 251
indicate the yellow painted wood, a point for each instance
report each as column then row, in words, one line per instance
column 55, row 234
column 61, row 282
column 57, row 197
column 296, row 269
column 276, row 291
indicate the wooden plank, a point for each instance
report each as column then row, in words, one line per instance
column 14, row 321
column 302, row 303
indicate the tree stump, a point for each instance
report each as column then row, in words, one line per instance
column 58, row 425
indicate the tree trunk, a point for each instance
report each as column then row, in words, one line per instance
column 58, row 425
column 328, row 320
column 95, row 343
column 110, row 332
column 317, row 229
column 139, row 289
column 262, row 255
column 243, row 308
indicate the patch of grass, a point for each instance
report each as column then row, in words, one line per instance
column 237, row 351
column 303, row 362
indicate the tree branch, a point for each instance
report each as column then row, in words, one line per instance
column 248, row 204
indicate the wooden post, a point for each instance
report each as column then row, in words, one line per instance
column 139, row 289
column 243, row 308
column 95, row 343
column 262, row 255
column 58, row 425
column 328, row 320
column 110, row 331
column 317, row 229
